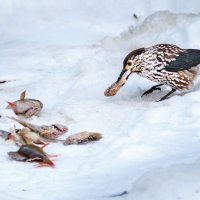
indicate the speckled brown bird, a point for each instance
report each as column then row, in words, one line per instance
column 165, row 64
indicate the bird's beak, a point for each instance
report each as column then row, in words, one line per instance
column 114, row 88
column 123, row 77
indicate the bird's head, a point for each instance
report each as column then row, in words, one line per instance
column 130, row 65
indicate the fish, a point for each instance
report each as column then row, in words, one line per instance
column 32, row 153
column 112, row 90
column 47, row 131
column 31, row 137
column 26, row 107
column 82, row 138
column 26, row 136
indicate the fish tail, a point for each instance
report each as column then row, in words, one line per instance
column 11, row 104
column 50, row 163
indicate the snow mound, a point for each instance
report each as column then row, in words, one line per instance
column 178, row 182
column 160, row 27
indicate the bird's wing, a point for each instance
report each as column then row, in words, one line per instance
column 184, row 61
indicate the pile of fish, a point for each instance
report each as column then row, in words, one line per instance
column 31, row 136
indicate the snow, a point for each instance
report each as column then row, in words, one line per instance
column 66, row 54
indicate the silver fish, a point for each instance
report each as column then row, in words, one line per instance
column 112, row 90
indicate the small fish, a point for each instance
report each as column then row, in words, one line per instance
column 50, row 132
column 31, row 137
column 26, row 107
column 32, row 153
column 82, row 138
column 112, row 90
column 26, row 136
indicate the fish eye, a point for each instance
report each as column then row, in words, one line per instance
column 129, row 63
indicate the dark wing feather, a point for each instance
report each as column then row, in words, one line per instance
column 186, row 60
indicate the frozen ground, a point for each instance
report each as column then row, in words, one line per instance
column 65, row 54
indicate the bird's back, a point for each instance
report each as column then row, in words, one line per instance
column 155, row 59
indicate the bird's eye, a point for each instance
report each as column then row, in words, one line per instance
column 129, row 63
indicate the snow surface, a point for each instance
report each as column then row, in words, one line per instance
column 66, row 53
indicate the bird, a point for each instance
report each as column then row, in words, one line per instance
column 166, row 64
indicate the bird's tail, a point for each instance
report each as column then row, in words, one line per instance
column 195, row 70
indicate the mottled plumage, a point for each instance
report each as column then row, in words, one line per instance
column 165, row 64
